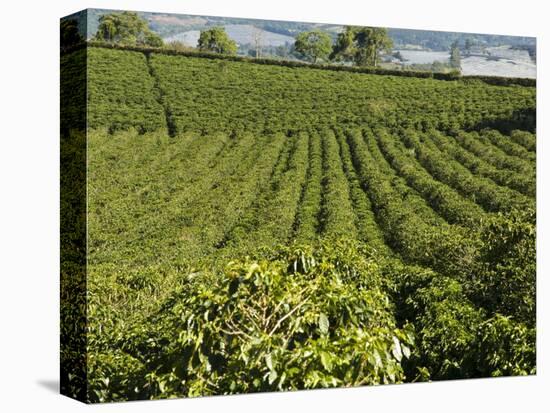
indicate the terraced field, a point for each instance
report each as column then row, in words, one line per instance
column 260, row 227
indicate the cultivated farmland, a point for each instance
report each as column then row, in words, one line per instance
column 257, row 227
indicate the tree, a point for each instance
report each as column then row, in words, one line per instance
column 454, row 59
column 258, row 42
column 344, row 49
column 314, row 45
column 370, row 42
column 216, row 40
column 362, row 45
column 282, row 51
column 468, row 45
column 126, row 28
column 70, row 35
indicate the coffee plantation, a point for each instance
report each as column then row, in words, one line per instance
column 260, row 227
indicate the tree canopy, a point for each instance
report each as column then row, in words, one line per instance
column 314, row 45
column 344, row 48
column 216, row 40
column 361, row 45
column 126, row 28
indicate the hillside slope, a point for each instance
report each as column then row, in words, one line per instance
column 387, row 222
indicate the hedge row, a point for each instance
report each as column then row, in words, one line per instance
column 493, row 80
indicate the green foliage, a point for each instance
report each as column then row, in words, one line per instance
column 306, row 223
column 178, row 46
column 437, row 67
column 344, row 48
column 454, row 337
column 505, row 348
column 73, row 337
column 121, row 92
column 303, row 318
column 367, row 227
column 216, row 40
column 454, row 208
column 337, row 217
column 482, row 147
column 447, row 249
column 484, row 191
column 73, row 97
column 271, row 218
column 504, row 81
column 452, row 75
column 524, row 138
column 314, row 45
column 525, row 184
column 407, row 227
column 508, row 261
column 362, row 45
column 126, row 28
column 508, row 145
column 370, row 42
column 326, row 98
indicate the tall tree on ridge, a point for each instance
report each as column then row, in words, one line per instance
column 314, row 45
column 362, row 45
column 216, row 40
column 126, row 28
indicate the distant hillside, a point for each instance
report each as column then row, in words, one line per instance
column 438, row 40
column 169, row 25
column 241, row 33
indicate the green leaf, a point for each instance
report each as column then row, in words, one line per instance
column 323, row 323
column 377, row 358
column 269, row 362
column 272, row 376
column 326, row 360
column 396, row 349
column 282, row 380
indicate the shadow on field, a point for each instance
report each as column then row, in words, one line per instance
column 524, row 119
